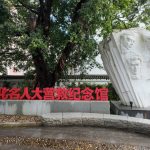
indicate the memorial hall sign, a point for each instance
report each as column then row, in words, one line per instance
column 99, row 94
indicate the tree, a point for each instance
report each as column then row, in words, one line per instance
column 3, row 12
column 48, row 36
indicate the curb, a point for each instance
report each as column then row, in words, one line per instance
column 97, row 120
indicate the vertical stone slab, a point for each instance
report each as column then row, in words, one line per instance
column 39, row 104
column 2, row 107
column 19, row 104
column 29, row 107
column 10, row 107
column 81, row 106
column 63, row 106
column 102, row 107
column 47, row 107
column 126, row 57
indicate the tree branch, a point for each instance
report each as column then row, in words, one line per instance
column 69, row 46
column 75, row 15
column 27, row 7
column 44, row 15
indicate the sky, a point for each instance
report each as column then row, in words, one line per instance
column 97, row 70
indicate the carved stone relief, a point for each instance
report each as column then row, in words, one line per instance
column 126, row 58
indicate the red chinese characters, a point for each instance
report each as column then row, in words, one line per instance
column 99, row 94
column 87, row 94
column 37, row 94
column 25, row 94
column 14, row 93
column 61, row 94
column 74, row 94
column 4, row 93
column 48, row 94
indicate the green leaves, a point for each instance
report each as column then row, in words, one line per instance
column 95, row 15
column 109, row 15
column 36, row 41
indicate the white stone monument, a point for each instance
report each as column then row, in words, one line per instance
column 126, row 58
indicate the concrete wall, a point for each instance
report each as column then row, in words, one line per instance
column 40, row 107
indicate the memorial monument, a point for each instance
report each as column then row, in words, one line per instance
column 126, row 58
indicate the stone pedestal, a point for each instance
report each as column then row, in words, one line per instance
column 118, row 109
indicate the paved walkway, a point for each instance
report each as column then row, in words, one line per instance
column 80, row 133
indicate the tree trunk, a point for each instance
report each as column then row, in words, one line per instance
column 44, row 77
column 42, row 73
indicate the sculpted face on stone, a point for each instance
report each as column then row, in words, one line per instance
column 134, row 64
column 126, row 42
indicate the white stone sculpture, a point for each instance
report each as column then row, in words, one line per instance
column 126, row 58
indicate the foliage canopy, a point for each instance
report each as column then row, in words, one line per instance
column 46, row 37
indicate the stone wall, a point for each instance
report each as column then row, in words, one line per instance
column 40, row 107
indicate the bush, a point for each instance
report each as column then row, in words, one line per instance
column 112, row 95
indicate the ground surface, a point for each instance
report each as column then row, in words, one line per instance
column 71, row 138
column 18, row 118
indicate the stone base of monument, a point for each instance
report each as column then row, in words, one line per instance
column 116, row 107
column 40, row 107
